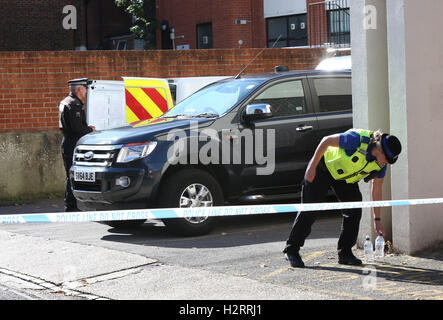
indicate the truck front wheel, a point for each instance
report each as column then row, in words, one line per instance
column 187, row 189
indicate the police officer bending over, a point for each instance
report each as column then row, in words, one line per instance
column 341, row 161
column 73, row 125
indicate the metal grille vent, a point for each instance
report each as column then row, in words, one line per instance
column 97, row 156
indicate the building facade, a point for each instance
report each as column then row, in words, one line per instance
column 252, row 23
column 191, row 24
column 207, row 24
column 35, row 25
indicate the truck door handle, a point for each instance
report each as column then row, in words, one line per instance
column 304, row 128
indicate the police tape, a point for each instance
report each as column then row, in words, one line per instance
column 219, row 211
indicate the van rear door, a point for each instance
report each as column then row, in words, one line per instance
column 113, row 104
column 105, row 104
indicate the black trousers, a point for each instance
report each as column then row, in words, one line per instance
column 316, row 192
column 68, row 145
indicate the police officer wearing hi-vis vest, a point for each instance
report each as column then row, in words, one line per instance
column 340, row 162
column 72, row 123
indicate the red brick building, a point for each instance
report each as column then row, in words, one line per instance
column 202, row 24
column 35, row 25
column 38, row 25
column 193, row 24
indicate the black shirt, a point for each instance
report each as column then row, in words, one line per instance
column 72, row 117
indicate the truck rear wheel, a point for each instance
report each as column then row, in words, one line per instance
column 186, row 189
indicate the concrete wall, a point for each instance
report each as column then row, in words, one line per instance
column 416, row 86
column 398, row 86
column 370, row 92
column 30, row 164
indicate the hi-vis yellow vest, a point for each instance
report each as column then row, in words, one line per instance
column 351, row 168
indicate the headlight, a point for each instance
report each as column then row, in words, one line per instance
column 134, row 151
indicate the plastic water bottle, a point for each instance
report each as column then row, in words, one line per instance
column 369, row 250
column 380, row 246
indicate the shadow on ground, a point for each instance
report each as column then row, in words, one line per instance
column 230, row 232
column 391, row 272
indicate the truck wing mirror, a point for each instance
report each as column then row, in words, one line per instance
column 257, row 112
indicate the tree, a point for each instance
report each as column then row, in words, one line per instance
column 144, row 23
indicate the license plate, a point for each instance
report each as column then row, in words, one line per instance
column 84, row 176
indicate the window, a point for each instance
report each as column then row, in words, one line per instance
column 286, row 99
column 121, row 45
column 292, row 29
column 339, row 26
column 334, row 94
column 277, row 27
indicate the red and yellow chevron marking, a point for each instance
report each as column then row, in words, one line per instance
column 146, row 99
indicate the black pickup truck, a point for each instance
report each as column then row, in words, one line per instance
column 240, row 140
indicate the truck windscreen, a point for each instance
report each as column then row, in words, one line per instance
column 215, row 99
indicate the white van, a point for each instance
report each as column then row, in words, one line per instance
column 108, row 103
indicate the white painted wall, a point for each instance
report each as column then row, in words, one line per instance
column 398, row 87
column 398, row 105
column 275, row 8
column 416, row 86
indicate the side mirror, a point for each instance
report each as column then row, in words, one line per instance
column 257, row 112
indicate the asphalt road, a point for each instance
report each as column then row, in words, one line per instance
column 241, row 259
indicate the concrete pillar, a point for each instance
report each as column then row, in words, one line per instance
column 416, row 95
column 398, row 87
column 370, row 90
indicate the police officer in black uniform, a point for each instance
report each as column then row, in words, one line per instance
column 72, row 122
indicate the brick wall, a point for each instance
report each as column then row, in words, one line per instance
column 317, row 20
column 183, row 17
column 33, row 83
column 105, row 20
column 37, row 25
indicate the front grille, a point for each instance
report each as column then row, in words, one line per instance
column 95, row 156
column 88, row 186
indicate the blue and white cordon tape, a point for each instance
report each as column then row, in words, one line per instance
column 150, row 214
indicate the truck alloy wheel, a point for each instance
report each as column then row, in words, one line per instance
column 196, row 195
column 190, row 188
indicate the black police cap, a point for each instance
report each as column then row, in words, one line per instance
column 391, row 147
column 79, row 81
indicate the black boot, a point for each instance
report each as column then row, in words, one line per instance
column 71, row 209
column 349, row 259
column 295, row 260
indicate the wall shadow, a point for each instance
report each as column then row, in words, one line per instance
column 391, row 272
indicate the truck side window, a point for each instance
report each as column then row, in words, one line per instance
column 286, row 99
column 334, row 94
